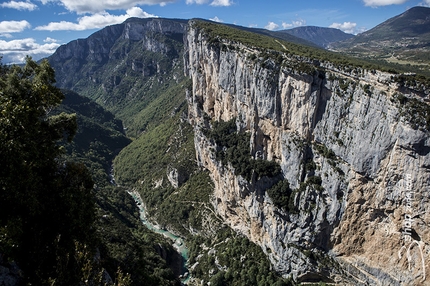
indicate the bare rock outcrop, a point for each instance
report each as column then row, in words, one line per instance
column 367, row 222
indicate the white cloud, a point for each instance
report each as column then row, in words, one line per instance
column 44, row 2
column 224, row 3
column 299, row 23
column 271, row 26
column 13, row 26
column 219, row 3
column 50, row 40
column 95, row 21
column 99, row 6
column 347, row 27
column 15, row 51
column 376, row 3
column 216, row 19
column 199, row 2
column 19, row 5
column 426, row 3
column 286, row 25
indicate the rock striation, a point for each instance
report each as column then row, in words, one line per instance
column 366, row 221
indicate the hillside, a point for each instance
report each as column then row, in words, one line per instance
column 277, row 162
column 402, row 39
column 124, row 67
column 323, row 37
column 99, row 138
column 160, row 161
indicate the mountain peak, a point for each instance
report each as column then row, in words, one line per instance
column 404, row 38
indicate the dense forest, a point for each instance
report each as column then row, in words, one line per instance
column 62, row 223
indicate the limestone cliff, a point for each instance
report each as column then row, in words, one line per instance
column 365, row 222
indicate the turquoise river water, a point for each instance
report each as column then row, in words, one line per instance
column 178, row 242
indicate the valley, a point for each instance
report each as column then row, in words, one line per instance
column 248, row 157
column 292, row 109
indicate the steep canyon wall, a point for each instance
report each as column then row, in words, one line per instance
column 367, row 223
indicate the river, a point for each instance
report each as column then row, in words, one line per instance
column 178, row 242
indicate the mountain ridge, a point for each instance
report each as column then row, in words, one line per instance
column 328, row 123
column 321, row 36
column 403, row 38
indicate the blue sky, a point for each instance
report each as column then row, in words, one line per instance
column 38, row 27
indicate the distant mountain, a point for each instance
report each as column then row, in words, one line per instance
column 124, row 67
column 282, row 35
column 404, row 39
column 320, row 36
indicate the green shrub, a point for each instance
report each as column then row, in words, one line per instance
column 233, row 147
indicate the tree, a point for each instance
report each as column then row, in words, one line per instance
column 47, row 205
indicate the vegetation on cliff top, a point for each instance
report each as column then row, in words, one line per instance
column 218, row 33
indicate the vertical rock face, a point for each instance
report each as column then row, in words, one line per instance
column 367, row 222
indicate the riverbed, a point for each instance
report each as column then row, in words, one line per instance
column 178, row 242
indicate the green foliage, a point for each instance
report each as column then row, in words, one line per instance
column 48, row 220
column 416, row 112
column 239, row 261
column 307, row 58
column 283, row 197
column 133, row 84
column 98, row 139
column 233, row 147
column 281, row 194
column 149, row 155
column 182, row 210
column 128, row 248
column 325, row 152
column 136, row 259
column 47, row 204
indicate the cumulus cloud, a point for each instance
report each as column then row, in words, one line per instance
column 15, row 51
column 216, row 19
column 95, row 21
column 347, row 27
column 13, row 26
column 377, row 3
column 19, row 5
column 271, row 26
column 99, row 6
column 224, row 3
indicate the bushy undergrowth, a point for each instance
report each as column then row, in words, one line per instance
column 233, row 147
column 233, row 260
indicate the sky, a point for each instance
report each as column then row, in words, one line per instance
column 38, row 27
